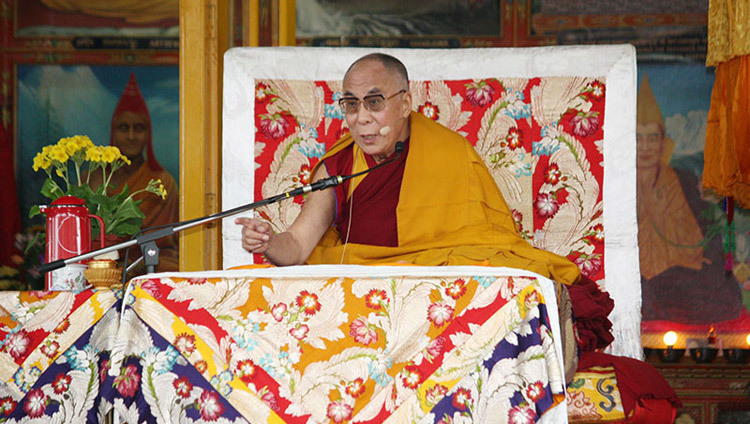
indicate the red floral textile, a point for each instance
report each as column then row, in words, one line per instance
column 541, row 138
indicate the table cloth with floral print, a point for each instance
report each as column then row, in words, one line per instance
column 236, row 348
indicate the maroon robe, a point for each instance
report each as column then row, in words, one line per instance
column 373, row 214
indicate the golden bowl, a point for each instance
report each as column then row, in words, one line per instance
column 102, row 263
column 103, row 277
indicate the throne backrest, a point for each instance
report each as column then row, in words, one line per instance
column 555, row 126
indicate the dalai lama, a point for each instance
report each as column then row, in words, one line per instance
column 435, row 204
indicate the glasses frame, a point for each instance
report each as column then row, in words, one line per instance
column 363, row 101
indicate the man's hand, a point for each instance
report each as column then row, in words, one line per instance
column 256, row 234
column 292, row 247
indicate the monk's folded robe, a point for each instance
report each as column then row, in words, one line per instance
column 449, row 211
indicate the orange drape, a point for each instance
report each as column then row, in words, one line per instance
column 726, row 167
column 450, row 212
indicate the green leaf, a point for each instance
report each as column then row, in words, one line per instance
column 126, row 229
column 51, row 190
column 84, row 192
column 34, row 211
column 130, row 210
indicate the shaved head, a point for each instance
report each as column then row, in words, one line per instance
column 391, row 64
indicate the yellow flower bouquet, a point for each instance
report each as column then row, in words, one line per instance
column 69, row 165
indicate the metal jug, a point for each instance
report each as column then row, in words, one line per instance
column 68, row 235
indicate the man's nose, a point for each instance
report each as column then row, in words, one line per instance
column 363, row 114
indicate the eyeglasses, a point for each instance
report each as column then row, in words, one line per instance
column 373, row 102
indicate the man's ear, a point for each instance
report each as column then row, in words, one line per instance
column 406, row 104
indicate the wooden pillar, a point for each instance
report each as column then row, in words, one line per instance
column 203, row 40
column 287, row 23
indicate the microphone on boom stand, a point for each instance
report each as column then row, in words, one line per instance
column 147, row 237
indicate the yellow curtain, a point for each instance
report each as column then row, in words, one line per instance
column 726, row 168
column 133, row 11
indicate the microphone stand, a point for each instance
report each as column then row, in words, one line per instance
column 147, row 241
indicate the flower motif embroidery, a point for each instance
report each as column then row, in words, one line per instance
column 50, row 350
column 128, row 380
column 183, row 387
column 269, row 399
column 518, row 218
column 103, row 369
column 429, row 110
column 339, row 411
column 521, row 415
column 36, row 402
column 546, row 204
column 535, row 391
column 596, row 90
column 585, row 123
column 210, row 406
column 514, row 138
column 589, row 264
column 261, row 92
column 201, row 366
column 376, row 299
column 299, row 332
column 152, row 288
column 456, row 289
column 435, row 348
column 410, row 377
column 362, row 332
column 439, row 313
column 61, row 383
column 64, row 325
column 274, row 126
column 308, row 302
column 461, row 399
column 479, row 94
column 531, row 300
column 7, row 405
column 553, row 174
column 16, row 344
column 303, row 176
column 246, row 370
column 185, row 343
column 434, row 394
column 355, row 388
column 597, row 232
column 278, row 311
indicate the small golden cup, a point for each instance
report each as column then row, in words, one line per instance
column 103, row 273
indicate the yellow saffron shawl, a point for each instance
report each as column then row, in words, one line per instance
column 450, row 212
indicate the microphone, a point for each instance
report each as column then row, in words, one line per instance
column 385, row 130
column 149, row 235
column 335, row 180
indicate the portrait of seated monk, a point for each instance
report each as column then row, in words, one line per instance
column 682, row 273
column 435, row 204
column 131, row 132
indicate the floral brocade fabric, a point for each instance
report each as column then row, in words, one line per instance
column 541, row 138
column 289, row 350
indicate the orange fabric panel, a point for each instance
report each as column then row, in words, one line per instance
column 726, row 156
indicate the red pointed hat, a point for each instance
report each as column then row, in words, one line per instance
column 132, row 101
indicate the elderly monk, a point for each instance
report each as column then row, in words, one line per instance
column 436, row 204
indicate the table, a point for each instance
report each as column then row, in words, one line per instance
column 296, row 345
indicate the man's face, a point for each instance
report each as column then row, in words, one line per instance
column 369, row 78
column 650, row 144
column 130, row 133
